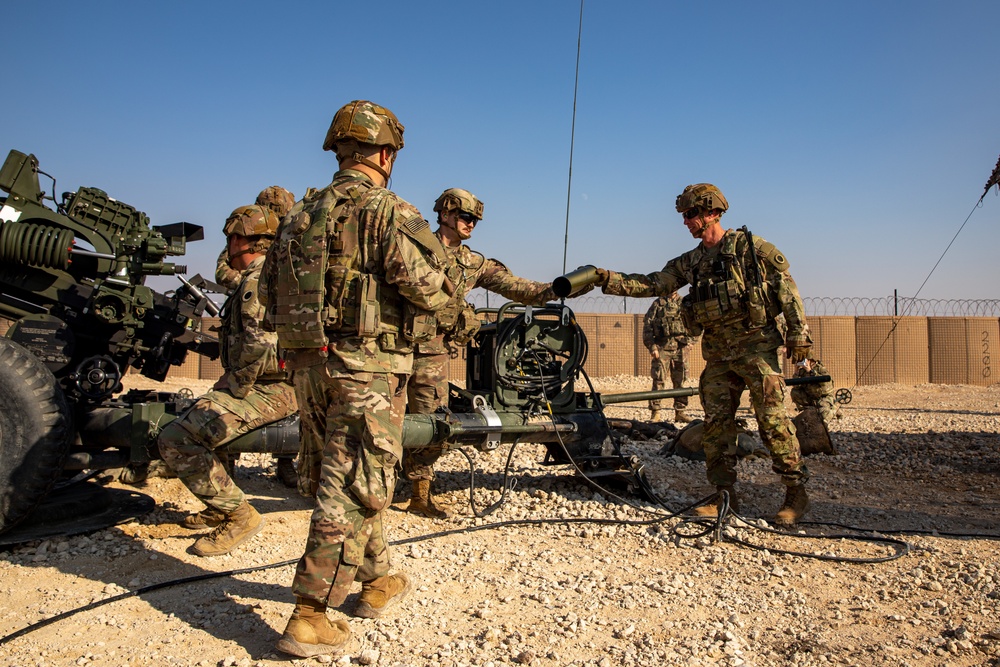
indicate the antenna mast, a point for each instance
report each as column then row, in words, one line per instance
column 572, row 137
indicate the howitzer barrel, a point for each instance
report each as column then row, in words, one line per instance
column 574, row 281
column 458, row 429
column 611, row 399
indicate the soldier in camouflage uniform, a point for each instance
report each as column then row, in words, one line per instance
column 820, row 396
column 350, row 286
column 739, row 285
column 252, row 392
column 458, row 213
column 279, row 201
column 665, row 337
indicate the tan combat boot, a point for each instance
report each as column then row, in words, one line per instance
column 654, row 416
column 238, row 526
column 681, row 417
column 712, row 510
column 309, row 632
column 422, row 503
column 285, row 472
column 795, row 506
column 207, row 518
column 378, row 594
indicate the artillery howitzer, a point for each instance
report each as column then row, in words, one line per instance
column 72, row 282
column 82, row 316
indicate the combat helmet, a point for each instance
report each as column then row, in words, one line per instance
column 701, row 195
column 276, row 198
column 366, row 123
column 461, row 200
column 255, row 222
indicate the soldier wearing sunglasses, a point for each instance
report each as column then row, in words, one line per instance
column 739, row 285
column 427, row 390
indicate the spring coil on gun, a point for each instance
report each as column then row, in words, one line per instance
column 35, row 245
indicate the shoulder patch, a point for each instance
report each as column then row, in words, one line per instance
column 777, row 259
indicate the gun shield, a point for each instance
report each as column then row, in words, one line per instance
column 574, row 281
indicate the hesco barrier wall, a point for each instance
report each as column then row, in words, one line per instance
column 857, row 350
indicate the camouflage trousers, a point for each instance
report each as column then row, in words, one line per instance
column 188, row 443
column 721, row 386
column 426, row 391
column 358, row 414
column 674, row 363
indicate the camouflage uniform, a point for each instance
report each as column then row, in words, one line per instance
column 819, row 396
column 354, row 401
column 663, row 332
column 427, row 389
column 226, row 275
column 740, row 343
column 277, row 199
column 252, row 392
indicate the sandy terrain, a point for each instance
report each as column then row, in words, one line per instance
column 563, row 575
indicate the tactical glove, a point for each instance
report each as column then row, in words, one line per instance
column 603, row 275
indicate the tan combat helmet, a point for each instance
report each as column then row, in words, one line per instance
column 363, row 122
column 461, row 200
column 701, row 195
column 366, row 123
column 254, row 222
column 276, row 198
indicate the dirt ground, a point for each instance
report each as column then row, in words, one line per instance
column 564, row 575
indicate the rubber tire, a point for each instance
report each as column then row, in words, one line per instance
column 35, row 431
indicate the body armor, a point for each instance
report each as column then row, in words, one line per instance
column 727, row 287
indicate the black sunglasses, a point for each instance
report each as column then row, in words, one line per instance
column 692, row 213
column 468, row 217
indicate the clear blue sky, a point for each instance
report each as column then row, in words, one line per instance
column 856, row 136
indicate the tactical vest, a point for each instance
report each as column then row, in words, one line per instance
column 729, row 292
column 463, row 275
column 317, row 287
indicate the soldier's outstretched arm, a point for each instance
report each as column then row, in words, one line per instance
column 496, row 277
column 658, row 283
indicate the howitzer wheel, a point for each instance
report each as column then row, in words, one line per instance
column 35, row 432
column 843, row 396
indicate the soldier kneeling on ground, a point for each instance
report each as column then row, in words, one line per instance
column 253, row 392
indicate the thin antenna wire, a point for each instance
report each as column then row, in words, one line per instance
column 913, row 299
column 572, row 136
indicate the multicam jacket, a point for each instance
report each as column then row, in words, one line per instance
column 472, row 270
column 248, row 353
column 379, row 266
column 226, row 275
column 662, row 326
column 736, row 314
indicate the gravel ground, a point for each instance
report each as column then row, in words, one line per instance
column 627, row 590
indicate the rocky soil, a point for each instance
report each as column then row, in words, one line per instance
column 564, row 575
